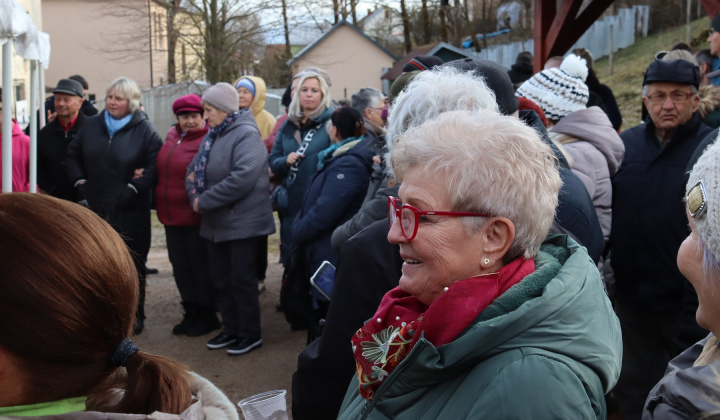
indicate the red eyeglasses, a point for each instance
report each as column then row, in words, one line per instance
column 410, row 216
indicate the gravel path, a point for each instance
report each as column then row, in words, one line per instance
column 267, row 368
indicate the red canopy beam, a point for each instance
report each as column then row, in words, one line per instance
column 712, row 7
column 556, row 31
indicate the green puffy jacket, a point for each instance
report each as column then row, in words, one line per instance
column 548, row 348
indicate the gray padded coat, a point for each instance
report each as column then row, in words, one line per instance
column 595, row 151
column 686, row 391
column 235, row 203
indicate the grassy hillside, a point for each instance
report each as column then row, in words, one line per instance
column 629, row 66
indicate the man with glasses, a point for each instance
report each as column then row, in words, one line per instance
column 370, row 103
column 648, row 226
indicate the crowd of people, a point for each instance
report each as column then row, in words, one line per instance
column 503, row 247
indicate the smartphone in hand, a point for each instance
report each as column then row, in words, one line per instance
column 324, row 279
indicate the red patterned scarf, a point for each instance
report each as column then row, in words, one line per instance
column 384, row 341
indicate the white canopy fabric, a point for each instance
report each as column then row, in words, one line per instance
column 17, row 26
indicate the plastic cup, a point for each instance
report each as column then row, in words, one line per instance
column 269, row 405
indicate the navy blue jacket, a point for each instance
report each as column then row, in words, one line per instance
column 649, row 221
column 335, row 195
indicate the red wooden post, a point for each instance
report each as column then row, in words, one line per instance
column 712, row 7
column 556, row 31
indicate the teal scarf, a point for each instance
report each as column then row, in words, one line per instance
column 330, row 150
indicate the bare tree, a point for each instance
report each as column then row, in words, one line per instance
column 173, row 8
column 406, row 26
column 352, row 11
column 215, row 38
column 425, row 19
column 336, row 11
column 383, row 29
column 230, row 33
column 286, row 29
column 443, row 20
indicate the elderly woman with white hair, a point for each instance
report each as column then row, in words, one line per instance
column 491, row 320
column 294, row 155
column 691, row 383
column 112, row 163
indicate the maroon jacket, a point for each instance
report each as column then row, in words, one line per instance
column 173, row 205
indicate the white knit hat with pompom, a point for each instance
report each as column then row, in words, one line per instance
column 559, row 91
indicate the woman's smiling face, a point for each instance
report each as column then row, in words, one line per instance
column 442, row 251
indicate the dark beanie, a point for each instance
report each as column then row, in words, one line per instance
column 287, row 96
column 422, row 63
column 496, row 78
column 672, row 71
column 400, row 83
column 715, row 23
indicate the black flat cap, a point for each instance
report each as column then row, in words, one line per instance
column 672, row 71
column 496, row 78
column 70, row 87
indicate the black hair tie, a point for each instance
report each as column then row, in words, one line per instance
column 122, row 352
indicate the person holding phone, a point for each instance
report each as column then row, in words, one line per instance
column 337, row 190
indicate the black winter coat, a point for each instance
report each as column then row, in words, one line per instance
column 108, row 166
column 519, row 73
column 52, row 146
column 649, row 221
column 610, row 105
column 369, row 267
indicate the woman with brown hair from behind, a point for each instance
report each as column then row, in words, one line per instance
column 69, row 295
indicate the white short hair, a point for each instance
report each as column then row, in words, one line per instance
column 436, row 91
column 494, row 164
column 129, row 90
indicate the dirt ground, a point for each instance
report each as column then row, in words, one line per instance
column 267, row 368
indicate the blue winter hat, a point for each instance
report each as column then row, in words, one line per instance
column 247, row 84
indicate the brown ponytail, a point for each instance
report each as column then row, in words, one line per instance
column 151, row 383
column 70, row 288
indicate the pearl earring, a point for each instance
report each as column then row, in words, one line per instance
column 486, row 261
column 445, row 289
